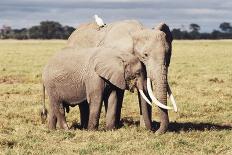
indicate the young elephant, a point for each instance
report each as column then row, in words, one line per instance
column 89, row 76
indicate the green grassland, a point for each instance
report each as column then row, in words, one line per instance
column 200, row 74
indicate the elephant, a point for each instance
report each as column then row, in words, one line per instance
column 153, row 47
column 77, row 76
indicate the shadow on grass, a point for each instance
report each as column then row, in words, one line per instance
column 173, row 126
column 177, row 127
column 189, row 126
column 128, row 121
column 76, row 126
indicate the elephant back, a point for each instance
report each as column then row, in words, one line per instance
column 113, row 34
column 118, row 30
column 119, row 34
column 85, row 36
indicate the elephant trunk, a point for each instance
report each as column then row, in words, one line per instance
column 160, row 89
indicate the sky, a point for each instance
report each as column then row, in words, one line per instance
column 176, row 13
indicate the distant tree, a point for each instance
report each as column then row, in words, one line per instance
column 5, row 32
column 177, row 34
column 51, row 30
column 46, row 30
column 34, row 32
column 194, row 31
column 20, row 33
column 67, row 31
column 205, row 36
column 194, row 27
column 225, row 27
column 216, row 34
column 186, row 35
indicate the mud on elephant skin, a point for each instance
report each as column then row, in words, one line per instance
column 82, row 77
column 153, row 47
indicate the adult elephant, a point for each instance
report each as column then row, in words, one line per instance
column 152, row 47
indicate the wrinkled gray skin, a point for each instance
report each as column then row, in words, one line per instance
column 152, row 47
column 87, row 77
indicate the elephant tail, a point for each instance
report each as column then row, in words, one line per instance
column 44, row 111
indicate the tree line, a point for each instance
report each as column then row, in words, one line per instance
column 224, row 32
column 54, row 30
column 46, row 30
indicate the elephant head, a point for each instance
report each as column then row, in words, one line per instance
column 153, row 47
column 123, row 70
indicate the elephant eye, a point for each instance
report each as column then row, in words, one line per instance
column 146, row 55
column 137, row 73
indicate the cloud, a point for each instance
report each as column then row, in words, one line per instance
column 208, row 13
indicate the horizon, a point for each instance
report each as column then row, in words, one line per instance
column 208, row 14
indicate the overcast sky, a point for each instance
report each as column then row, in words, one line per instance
column 176, row 13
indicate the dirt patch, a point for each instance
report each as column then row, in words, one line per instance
column 11, row 79
column 216, row 80
column 8, row 143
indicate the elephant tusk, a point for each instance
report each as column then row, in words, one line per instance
column 172, row 99
column 153, row 97
column 144, row 97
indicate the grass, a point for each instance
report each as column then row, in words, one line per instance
column 200, row 75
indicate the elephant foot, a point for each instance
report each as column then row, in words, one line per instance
column 51, row 127
column 142, row 124
column 110, row 124
column 52, row 122
column 92, row 127
column 64, row 127
column 118, row 125
column 110, row 127
column 84, row 127
column 160, row 132
column 62, row 123
column 163, row 129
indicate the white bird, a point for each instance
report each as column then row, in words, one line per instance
column 99, row 21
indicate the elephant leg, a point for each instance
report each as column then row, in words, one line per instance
column 95, row 99
column 61, row 117
column 59, row 112
column 52, row 117
column 111, row 111
column 95, row 104
column 120, row 95
column 94, row 115
column 84, row 114
column 145, row 113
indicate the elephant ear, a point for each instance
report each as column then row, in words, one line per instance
column 110, row 67
column 163, row 27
